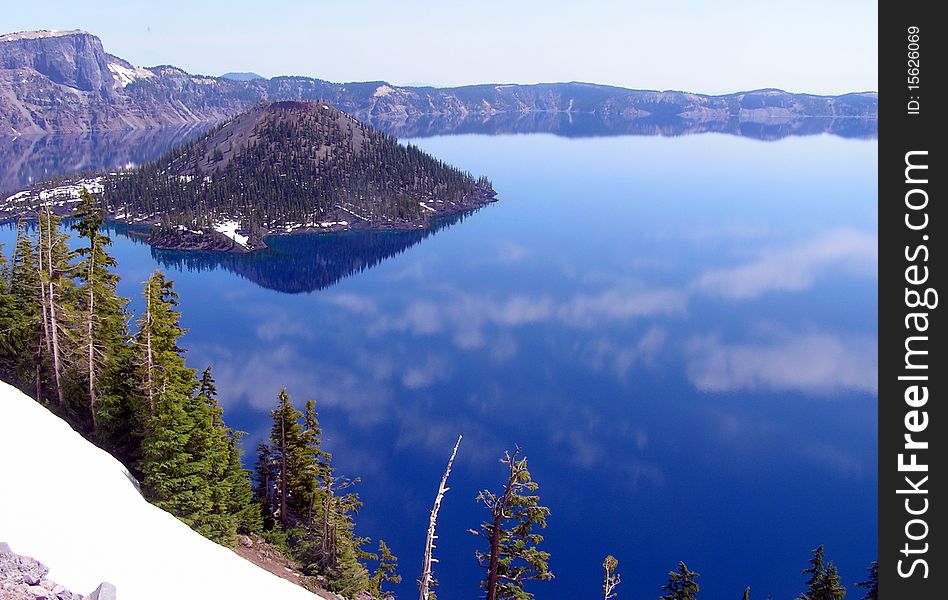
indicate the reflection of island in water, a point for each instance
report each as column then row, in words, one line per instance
column 26, row 160
column 309, row 262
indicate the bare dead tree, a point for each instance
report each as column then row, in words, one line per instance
column 427, row 581
column 54, row 310
column 150, row 366
column 90, row 338
column 611, row 579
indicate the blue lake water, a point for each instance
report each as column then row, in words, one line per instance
column 680, row 332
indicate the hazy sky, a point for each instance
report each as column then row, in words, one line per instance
column 820, row 46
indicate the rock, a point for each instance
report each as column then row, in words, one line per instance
column 21, row 569
column 39, row 592
column 246, row 541
column 105, row 591
column 5, row 548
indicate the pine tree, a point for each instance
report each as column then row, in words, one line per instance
column 19, row 310
column 286, row 449
column 174, row 480
column 824, row 582
column 174, row 476
column 161, row 365
column 103, row 330
column 385, row 572
column 305, row 504
column 871, row 584
column 209, row 445
column 610, row 579
column 681, row 585
column 242, row 505
column 513, row 557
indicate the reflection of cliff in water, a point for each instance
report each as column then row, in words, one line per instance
column 595, row 125
column 306, row 263
column 25, row 160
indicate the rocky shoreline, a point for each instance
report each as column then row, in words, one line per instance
column 61, row 199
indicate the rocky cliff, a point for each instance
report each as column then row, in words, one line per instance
column 64, row 81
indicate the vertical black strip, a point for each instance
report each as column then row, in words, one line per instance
column 913, row 444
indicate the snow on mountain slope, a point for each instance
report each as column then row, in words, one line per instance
column 76, row 509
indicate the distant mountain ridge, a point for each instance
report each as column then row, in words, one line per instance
column 64, row 81
column 241, row 76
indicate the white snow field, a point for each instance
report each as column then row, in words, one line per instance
column 74, row 508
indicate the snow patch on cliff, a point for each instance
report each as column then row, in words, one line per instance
column 125, row 75
column 383, row 90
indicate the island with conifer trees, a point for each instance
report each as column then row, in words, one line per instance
column 280, row 168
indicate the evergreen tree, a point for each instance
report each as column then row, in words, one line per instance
column 824, row 582
column 242, row 505
column 871, row 584
column 21, row 334
column 681, row 585
column 513, row 557
column 161, row 365
column 209, row 445
column 103, row 331
column 174, row 479
column 385, row 571
column 305, row 504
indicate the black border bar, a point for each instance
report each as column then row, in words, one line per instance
column 912, row 371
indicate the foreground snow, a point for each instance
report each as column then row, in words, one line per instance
column 76, row 509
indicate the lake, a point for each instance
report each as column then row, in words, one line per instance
column 679, row 332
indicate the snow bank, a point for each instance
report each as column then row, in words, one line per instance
column 126, row 76
column 229, row 228
column 76, row 509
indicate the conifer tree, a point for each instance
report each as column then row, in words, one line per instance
column 871, row 584
column 20, row 341
column 385, row 571
column 824, row 582
column 681, row 585
column 242, row 505
column 513, row 557
column 286, row 449
column 160, row 362
column 174, row 480
column 209, row 445
column 103, row 330
column 304, row 503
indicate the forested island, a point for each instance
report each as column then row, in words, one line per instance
column 279, row 168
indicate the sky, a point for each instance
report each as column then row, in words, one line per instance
column 816, row 46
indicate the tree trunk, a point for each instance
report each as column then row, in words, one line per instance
column 426, row 578
column 53, row 320
column 496, row 529
column 283, row 474
column 150, row 382
column 90, row 332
